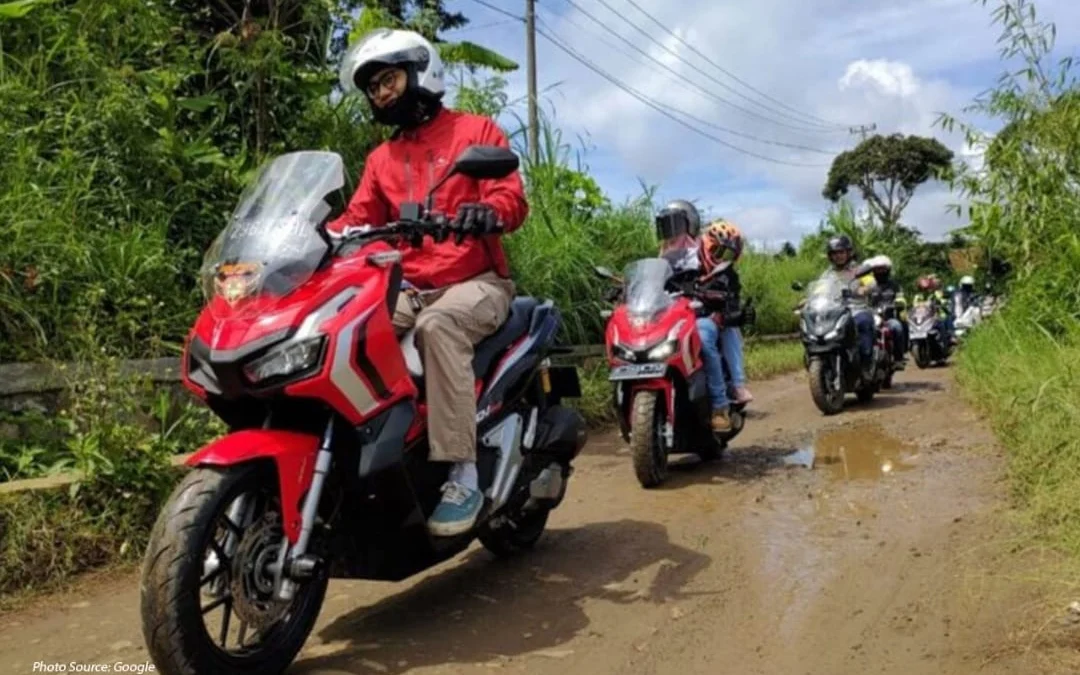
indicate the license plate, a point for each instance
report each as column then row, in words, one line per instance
column 637, row 371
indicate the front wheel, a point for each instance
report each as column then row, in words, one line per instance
column 922, row 355
column 211, row 549
column 823, row 390
column 646, row 442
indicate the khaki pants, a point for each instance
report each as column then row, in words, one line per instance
column 452, row 321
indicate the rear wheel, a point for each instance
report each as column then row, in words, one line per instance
column 646, row 443
column 823, row 389
column 210, row 550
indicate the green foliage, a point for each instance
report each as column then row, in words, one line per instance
column 121, row 436
column 886, row 170
column 129, row 130
column 1024, row 207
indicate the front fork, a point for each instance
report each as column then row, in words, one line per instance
column 293, row 562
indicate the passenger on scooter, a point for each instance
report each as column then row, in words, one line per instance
column 464, row 291
column 930, row 293
column 844, row 267
column 678, row 227
column 967, row 291
column 885, row 296
column 720, row 248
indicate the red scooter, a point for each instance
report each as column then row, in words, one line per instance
column 325, row 470
column 661, row 395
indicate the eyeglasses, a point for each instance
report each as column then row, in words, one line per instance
column 386, row 79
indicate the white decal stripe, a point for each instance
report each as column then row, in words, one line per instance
column 342, row 373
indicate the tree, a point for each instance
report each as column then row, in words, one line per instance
column 886, row 170
column 428, row 18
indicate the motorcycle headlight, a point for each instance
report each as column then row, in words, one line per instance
column 623, row 353
column 286, row 360
column 663, row 351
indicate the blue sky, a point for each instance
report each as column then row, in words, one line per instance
column 845, row 61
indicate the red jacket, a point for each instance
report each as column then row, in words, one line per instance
column 404, row 168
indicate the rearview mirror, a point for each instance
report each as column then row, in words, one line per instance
column 796, row 286
column 486, row 162
column 479, row 162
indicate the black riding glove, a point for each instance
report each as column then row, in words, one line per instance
column 476, row 220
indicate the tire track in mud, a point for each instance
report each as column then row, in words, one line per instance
column 844, row 545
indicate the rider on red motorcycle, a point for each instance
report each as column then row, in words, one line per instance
column 462, row 286
column 678, row 227
column 721, row 247
column 884, row 294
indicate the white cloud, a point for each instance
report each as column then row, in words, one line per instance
column 852, row 61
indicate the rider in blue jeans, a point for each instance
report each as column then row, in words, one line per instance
column 710, row 259
column 719, row 247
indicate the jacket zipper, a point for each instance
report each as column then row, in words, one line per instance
column 408, row 178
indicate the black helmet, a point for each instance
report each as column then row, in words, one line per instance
column 839, row 243
column 677, row 218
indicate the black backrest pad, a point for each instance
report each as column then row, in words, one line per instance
column 488, row 351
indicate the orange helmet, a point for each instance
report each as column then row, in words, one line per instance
column 721, row 245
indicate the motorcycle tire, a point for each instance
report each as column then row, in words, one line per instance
column 520, row 535
column 826, row 398
column 922, row 356
column 646, row 448
column 177, row 639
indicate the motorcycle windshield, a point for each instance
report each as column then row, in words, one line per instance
column 923, row 314
column 272, row 244
column 645, row 287
column 824, row 304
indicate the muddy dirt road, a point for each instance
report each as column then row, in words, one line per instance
column 829, row 546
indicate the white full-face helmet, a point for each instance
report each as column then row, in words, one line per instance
column 385, row 47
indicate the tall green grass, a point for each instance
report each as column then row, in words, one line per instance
column 1021, row 368
column 1025, row 380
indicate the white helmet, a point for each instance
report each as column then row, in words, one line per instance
column 879, row 262
column 384, row 47
column 967, row 280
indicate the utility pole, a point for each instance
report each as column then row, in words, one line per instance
column 863, row 129
column 534, row 117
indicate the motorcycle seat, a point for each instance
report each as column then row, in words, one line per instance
column 487, row 352
column 515, row 326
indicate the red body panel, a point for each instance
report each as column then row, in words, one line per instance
column 624, row 331
column 293, row 456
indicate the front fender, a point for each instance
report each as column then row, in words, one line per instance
column 293, row 455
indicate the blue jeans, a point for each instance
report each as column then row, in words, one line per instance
column 899, row 343
column 714, row 364
column 732, row 346
column 864, row 327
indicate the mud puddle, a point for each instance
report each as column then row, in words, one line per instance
column 859, row 452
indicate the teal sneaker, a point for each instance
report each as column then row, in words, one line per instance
column 457, row 511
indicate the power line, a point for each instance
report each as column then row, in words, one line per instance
column 721, row 68
column 659, row 108
column 727, row 130
column 500, row 10
column 681, row 83
column 807, row 126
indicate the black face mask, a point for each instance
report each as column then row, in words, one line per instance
column 409, row 111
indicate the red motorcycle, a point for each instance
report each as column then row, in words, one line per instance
column 661, row 395
column 325, row 470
